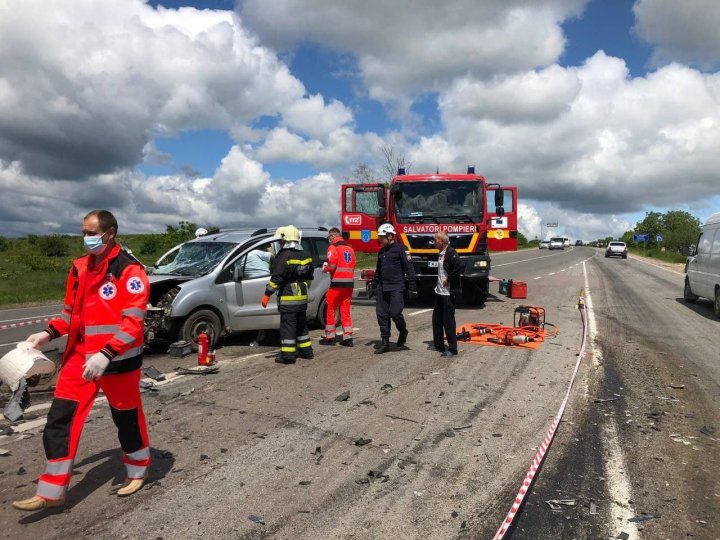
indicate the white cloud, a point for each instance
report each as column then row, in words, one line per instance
column 404, row 47
column 684, row 32
column 316, row 119
column 85, row 84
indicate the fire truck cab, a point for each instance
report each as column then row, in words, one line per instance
column 477, row 216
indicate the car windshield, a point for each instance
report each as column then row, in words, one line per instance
column 196, row 258
column 616, row 244
column 439, row 201
column 556, row 240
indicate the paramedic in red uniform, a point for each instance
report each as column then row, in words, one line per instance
column 341, row 267
column 105, row 303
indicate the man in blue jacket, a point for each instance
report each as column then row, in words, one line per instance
column 394, row 268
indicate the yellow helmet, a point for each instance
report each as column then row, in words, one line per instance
column 288, row 233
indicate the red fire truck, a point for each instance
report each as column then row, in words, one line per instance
column 478, row 216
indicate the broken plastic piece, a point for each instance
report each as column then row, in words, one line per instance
column 555, row 504
column 153, row 373
column 362, row 442
column 344, row 396
column 256, row 519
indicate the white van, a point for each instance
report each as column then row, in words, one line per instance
column 703, row 267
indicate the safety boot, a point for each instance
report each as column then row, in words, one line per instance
column 402, row 337
column 131, row 487
column 347, row 342
column 326, row 341
column 36, row 503
column 384, row 346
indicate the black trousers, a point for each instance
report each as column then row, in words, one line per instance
column 294, row 336
column 443, row 319
column 389, row 305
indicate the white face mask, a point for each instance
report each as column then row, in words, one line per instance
column 94, row 244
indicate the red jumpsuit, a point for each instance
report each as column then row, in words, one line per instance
column 341, row 267
column 104, row 312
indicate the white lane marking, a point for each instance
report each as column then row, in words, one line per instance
column 28, row 318
column 419, row 312
column 615, row 471
column 31, row 307
column 11, row 343
column 539, row 277
column 656, row 265
column 551, row 274
column 563, row 269
column 526, row 260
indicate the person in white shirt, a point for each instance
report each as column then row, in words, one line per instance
column 448, row 285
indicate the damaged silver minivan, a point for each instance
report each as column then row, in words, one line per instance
column 214, row 284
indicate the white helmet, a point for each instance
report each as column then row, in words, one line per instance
column 385, row 229
column 288, row 233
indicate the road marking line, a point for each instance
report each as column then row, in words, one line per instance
column 419, row 312
column 30, row 307
column 539, row 277
column 551, row 274
column 11, row 343
column 525, row 260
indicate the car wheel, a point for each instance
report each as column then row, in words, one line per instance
column 688, row 294
column 198, row 322
column 624, row 256
column 716, row 305
column 321, row 316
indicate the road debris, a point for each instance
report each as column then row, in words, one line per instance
column 318, row 450
column 362, row 442
column 147, row 386
column 450, row 433
column 622, row 536
column 344, row 396
column 256, row 519
column 707, row 430
column 386, row 386
column 187, row 393
column 4, row 452
column 676, row 386
column 304, row 482
column 605, row 400
column 643, row 517
column 462, row 427
column 593, row 509
column 557, row 504
column 154, row 373
column 199, row 370
column 402, row 418
column 14, row 407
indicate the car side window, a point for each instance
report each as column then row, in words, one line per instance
column 705, row 243
column 258, row 262
column 321, row 246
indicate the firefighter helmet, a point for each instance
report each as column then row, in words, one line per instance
column 385, row 229
column 288, row 233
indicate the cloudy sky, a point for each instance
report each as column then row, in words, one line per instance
column 254, row 112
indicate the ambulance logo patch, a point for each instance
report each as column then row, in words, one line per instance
column 135, row 285
column 108, row 291
column 347, row 256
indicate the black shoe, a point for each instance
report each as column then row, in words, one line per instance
column 326, row 341
column 347, row 342
column 286, row 361
column 402, row 337
column 384, row 347
column 307, row 356
column 435, row 348
column 448, row 354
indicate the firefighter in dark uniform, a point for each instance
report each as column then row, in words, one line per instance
column 291, row 277
column 394, row 269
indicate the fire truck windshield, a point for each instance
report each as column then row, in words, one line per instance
column 436, row 200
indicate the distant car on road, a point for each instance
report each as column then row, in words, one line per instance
column 544, row 244
column 566, row 242
column 557, row 243
column 616, row 249
column 578, row 242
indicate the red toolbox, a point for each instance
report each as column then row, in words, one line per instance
column 517, row 289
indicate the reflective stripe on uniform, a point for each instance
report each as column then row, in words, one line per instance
column 287, row 342
column 56, row 468
column 135, row 471
column 300, row 262
column 294, row 299
column 127, row 354
column 133, row 312
column 272, row 285
column 97, row 329
column 139, row 455
column 304, row 344
column 65, row 317
column 46, row 490
column 288, row 349
column 124, row 337
column 67, row 308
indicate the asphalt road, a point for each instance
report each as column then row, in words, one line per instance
column 450, row 441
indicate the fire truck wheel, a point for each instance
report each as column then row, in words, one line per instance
column 198, row 322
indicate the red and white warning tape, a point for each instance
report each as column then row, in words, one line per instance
column 542, row 449
column 24, row 323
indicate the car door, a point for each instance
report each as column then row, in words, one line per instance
column 317, row 247
column 244, row 291
column 698, row 265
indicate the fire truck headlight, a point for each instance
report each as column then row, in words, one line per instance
column 480, row 264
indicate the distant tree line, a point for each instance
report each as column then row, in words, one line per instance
column 678, row 229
